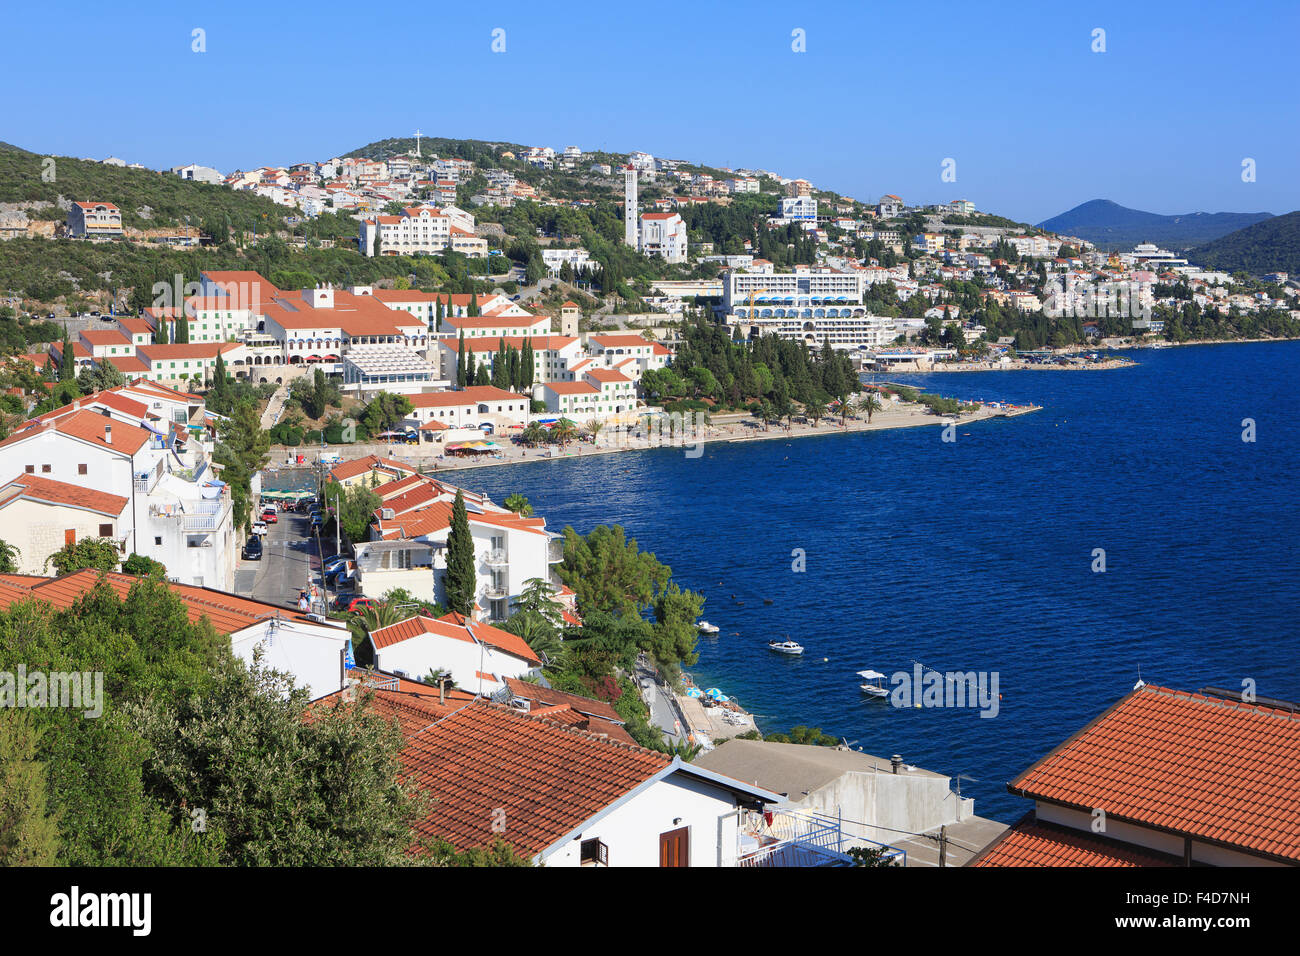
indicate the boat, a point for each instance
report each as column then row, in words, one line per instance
column 707, row 628
column 873, row 683
column 785, row 647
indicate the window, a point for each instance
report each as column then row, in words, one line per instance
column 157, row 541
column 81, row 469
column 30, row 469
column 594, row 853
column 45, row 469
column 106, row 531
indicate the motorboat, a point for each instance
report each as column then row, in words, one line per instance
column 706, row 628
column 873, row 683
column 785, row 647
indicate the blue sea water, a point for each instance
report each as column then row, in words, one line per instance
column 978, row 554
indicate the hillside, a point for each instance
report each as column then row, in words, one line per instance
column 147, row 199
column 1112, row 226
column 1269, row 246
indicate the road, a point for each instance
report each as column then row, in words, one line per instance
column 664, row 713
column 288, row 550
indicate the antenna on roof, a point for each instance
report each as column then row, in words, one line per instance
column 1141, row 683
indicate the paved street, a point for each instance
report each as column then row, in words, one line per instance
column 282, row 572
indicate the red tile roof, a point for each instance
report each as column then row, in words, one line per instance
column 49, row 491
column 360, row 466
column 452, row 626
column 1043, row 844
column 483, row 762
column 1213, row 769
column 89, row 427
column 465, row 396
column 227, row 612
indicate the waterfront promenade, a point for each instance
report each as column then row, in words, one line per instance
column 738, row 427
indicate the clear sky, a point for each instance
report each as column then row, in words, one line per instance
column 1035, row 120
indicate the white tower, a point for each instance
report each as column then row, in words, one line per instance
column 629, row 206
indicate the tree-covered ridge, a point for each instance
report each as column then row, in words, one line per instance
column 147, row 199
column 1269, row 246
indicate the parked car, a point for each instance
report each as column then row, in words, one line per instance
column 359, row 605
column 270, row 517
column 339, row 572
column 259, row 527
column 253, row 549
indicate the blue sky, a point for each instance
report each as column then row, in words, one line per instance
column 1035, row 120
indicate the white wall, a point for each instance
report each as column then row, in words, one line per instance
column 309, row 652
column 632, row 830
column 430, row 652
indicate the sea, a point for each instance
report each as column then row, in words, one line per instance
column 1142, row 525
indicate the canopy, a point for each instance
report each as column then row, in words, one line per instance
column 694, row 692
column 870, row 675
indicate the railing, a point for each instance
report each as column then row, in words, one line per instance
column 555, row 551
column 198, row 516
column 497, row 558
column 790, row 838
column 495, row 590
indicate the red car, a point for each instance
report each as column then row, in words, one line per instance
column 269, row 516
column 359, row 605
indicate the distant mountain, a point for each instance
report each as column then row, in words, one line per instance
column 1112, row 226
column 1269, row 246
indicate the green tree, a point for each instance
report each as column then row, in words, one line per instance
column 243, row 450
column 357, row 505
column 142, row 566
column 8, row 558
column 99, row 554
column 461, row 367
column 460, row 583
column 519, row 505
column 29, row 835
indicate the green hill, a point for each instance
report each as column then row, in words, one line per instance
column 147, row 199
column 1269, row 246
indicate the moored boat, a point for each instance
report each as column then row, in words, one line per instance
column 785, row 647
column 873, row 683
column 706, row 628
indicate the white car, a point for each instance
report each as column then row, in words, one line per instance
column 259, row 527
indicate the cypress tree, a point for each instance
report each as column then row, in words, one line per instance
column 472, row 311
column 459, row 584
column 481, row 377
column 470, row 372
column 67, row 361
column 460, row 362
column 500, row 365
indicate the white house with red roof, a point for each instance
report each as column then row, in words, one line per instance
column 478, row 656
column 419, row 229
column 663, row 234
column 598, row 392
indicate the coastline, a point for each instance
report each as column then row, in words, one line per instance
column 904, row 416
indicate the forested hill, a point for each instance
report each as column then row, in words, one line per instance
column 148, row 199
column 1269, row 246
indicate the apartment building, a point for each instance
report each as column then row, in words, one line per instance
column 94, row 219
column 799, row 209
column 418, row 230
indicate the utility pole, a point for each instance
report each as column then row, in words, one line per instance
column 943, row 846
column 338, row 521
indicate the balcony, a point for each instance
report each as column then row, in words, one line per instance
column 555, row 551
column 495, row 590
column 196, row 517
column 497, row 558
column 789, row 838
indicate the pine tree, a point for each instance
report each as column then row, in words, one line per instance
column 459, row 584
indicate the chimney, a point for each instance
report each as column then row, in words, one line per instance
column 896, row 761
column 108, row 434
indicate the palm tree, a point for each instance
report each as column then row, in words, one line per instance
column 594, row 427
column 564, row 431
column 870, row 403
column 534, row 434
column 816, row 410
column 381, row 614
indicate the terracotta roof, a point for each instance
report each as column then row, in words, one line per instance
column 227, row 612
column 484, row 761
column 1213, row 769
column 49, row 491
column 606, row 375
column 360, row 466
column 451, row 626
column 548, row 696
column 465, row 396
column 1042, row 844
column 572, row 388
column 88, row 426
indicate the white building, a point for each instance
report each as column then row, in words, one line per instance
column 663, row 234
column 799, row 208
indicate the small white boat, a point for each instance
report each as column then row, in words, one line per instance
column 873, row 683
column 707, row 628
column 785, row 647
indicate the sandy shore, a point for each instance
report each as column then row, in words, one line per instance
column 1030, row 366
column 743, row 429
